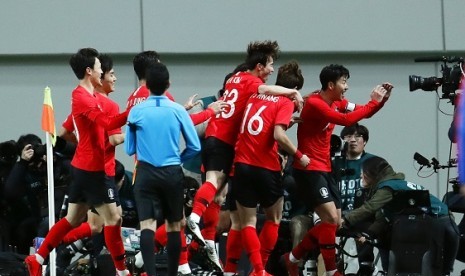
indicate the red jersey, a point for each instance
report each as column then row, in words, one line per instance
column 68, row 123
column 90, row 123
column 256, row 145
column 238, row 89
column 140, row 95
column 319, row 119
column 111, row 108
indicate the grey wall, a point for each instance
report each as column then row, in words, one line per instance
column 201, row 41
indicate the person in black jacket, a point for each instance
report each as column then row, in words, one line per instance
column 25, row 191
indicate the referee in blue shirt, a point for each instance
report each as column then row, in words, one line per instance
column 153, row 132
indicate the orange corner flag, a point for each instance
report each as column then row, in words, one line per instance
column 48, row 117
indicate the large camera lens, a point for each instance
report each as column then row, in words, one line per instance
column 425, row 84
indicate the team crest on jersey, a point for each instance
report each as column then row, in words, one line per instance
column 111, row 194
column 324, row 192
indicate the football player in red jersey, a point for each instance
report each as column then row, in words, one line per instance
column 222, row 130
column 322, row 111
column 88, row 187
column 257, row 175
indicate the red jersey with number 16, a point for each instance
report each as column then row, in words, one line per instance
column 256, row 145
column 238, row 89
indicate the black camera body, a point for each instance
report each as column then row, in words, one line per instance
column 337, row 146
column 39, row 152
column 450, row 80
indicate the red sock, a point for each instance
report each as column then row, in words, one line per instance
column 203, row 197
column 233, row 250
column 82, row 231
column 308, row 243
column 327, row 242
column 252, row 247
column 54, row 237
column 210, row 221
column 268, row 237
column 161, row 238
column 183, row 256
column 115, row 245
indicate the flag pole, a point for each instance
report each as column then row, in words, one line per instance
column 48, row 125
column 51, row 198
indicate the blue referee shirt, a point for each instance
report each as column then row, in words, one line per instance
column 154, row 129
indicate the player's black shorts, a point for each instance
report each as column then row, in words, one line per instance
column 315, row 188
column 110, row 182
column 252, row 185
column 91, row 188
column 217, row 155
column 159, row 192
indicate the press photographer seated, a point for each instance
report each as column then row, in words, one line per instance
column 384, row 184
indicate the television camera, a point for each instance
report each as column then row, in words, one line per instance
column 450, row 80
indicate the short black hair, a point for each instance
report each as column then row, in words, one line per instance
column 107, row 63
column 157, row 78
column 332, row 73
column 84, row 58
column 356, row 128
column 142, row 61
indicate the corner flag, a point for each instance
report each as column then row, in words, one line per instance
column 48, row 117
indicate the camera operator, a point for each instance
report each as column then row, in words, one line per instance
column 347, row 169
column 26, row 191
column 384, row 182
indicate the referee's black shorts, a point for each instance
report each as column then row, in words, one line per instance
column 159, row 192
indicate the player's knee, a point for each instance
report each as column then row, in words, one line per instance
column 114, row 219
column 96, row 228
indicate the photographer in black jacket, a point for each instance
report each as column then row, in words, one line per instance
column 25, row 190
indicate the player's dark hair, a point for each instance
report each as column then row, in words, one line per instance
column 142, row 61
column 290, row 76
column 332, row 73
column 107, row 63
column 259, row 52
column 84, row 58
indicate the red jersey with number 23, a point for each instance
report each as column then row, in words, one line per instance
column 256, row 145
column 238, row 89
